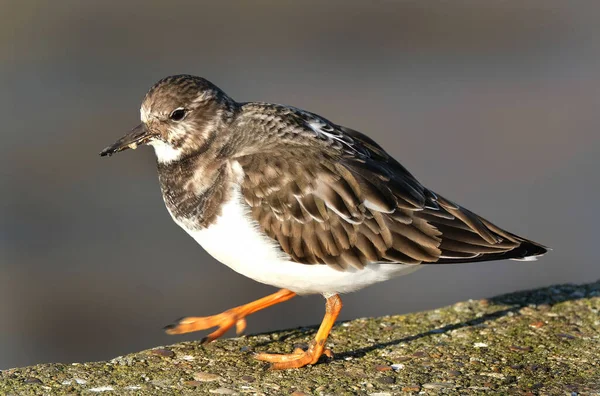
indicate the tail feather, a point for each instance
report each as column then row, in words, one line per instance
column 526, row 251
column 467, row 237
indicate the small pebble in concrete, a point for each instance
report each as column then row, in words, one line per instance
column 438, row 385
column 102, row 389
column 223, row 391
column 382, row 367
column 567, row 336
column 411, row 388
column 517, row 348
column 163, row 352
column 206, row 377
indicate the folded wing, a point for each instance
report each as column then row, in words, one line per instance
column 344, row 202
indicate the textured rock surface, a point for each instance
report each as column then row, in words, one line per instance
column 544, row 341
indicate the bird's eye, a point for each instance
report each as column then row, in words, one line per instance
column 177, row 114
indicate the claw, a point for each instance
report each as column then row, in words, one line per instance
column 240, row 326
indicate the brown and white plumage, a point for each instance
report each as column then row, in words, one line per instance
column 290, row 199
column 320, row 193
column 330, row 195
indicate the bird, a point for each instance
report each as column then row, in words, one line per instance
column 290, row 199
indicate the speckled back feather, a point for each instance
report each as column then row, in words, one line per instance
column 330, row 195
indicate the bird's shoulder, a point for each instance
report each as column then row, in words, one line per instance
column 303, row 144
column 295, row 128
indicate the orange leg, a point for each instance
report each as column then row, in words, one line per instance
column 317, row 348
column 225, row 320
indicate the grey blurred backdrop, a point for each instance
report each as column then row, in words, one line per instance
column 493, row 104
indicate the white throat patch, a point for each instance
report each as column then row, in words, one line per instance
column 165, row 153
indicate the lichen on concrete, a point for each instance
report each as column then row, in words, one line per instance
column 544, row 341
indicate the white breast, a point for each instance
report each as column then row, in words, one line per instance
column 236, row 241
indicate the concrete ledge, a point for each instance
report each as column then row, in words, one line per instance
column 540, row 341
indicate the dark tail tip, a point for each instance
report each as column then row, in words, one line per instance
column 528, row 251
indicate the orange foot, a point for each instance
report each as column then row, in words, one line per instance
column 299, row 357
column 226, row 320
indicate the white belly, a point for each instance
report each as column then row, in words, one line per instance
column 236, row 241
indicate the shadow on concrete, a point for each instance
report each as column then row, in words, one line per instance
column 513, row 302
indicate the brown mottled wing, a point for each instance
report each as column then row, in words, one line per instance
column 342, row 201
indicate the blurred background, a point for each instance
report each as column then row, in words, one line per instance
column 496, row 105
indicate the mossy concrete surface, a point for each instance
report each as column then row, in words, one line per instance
column 544, row 341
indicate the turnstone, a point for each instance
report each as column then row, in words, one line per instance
column 293, row 200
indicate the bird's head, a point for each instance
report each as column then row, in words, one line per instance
column 181, row 116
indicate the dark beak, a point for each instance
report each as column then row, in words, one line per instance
column 138, row 135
